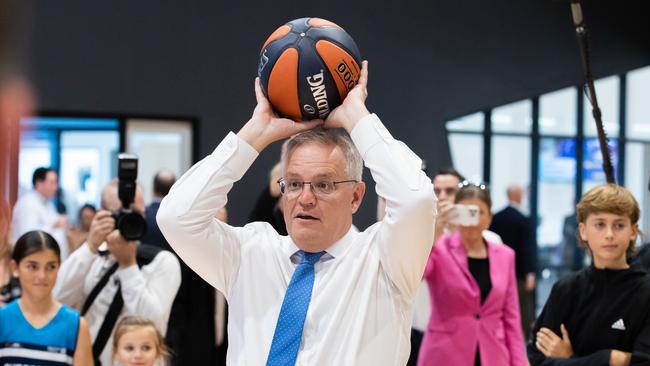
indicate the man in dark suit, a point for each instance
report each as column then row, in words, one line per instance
column 162, row 182
column 514, row 228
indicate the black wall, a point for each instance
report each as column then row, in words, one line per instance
column 429, row 61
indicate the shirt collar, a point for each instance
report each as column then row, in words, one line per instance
column 42, row 199
column 336, row 250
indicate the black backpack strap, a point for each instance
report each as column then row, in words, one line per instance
column 97, row 289
column 108, row 324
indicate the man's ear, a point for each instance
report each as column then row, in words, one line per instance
column 357, row 196
column 582, row 229
column 635, row 232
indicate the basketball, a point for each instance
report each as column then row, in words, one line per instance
column 307, row 67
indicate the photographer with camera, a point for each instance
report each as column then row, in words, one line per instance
column 113, row 275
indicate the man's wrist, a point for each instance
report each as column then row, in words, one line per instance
column 355, row 117
column 92, row 247
column 252, row 134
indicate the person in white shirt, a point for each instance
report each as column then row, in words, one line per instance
column 356, row 304
column 35, row 210
column 148, row 291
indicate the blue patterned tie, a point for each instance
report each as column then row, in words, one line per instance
column 288, row 331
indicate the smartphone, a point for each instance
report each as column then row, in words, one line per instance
column 466, row 215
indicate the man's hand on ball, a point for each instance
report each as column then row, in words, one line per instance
column 265, row 127
column 354, row 105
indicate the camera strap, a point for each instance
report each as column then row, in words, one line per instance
column 144, row 255
column 109, row 322
column 97, row 289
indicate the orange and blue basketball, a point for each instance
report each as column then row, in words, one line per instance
column 307, row 67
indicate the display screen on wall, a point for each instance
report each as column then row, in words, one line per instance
column 557, row 160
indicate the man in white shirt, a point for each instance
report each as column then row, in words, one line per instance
column 148, row 291
column 360, row 285
column 35, row 210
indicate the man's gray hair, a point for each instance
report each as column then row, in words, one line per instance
column 328, row 137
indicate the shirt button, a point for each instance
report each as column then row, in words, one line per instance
column 477, row 316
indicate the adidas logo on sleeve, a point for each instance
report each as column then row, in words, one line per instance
column 618, row 325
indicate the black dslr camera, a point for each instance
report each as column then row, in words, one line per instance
column 132, row 225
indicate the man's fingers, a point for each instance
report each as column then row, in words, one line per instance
column 542, row 347
column 363, row 77
column 259, row 96
column 307, row 125
column 548, row 333
column 105, row 222
column 102, row 214
column 565, row 333
column 546, row 338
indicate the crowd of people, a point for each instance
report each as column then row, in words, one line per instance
column 437, row 280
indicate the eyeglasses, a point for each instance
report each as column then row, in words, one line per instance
column 479, row 185
column 324, row 187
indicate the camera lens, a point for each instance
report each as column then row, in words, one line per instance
column 132, row 225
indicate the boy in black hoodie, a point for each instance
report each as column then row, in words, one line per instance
column 601, row 314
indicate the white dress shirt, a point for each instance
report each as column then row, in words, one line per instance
column 35, row 212
column 148, row 291
column 361, row 306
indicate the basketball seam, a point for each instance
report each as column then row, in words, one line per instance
column 342, row 46
column 327, row 69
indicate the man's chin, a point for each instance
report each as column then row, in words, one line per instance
column 306, row 238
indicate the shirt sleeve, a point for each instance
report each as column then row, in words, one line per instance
column 552, row 317
column 641, row 351
column 69, row 287
column 405, row 235
column 186, row 215
column 151, row 297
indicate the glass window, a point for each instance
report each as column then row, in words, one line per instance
column 638, row 108
column 592, row 166
column 473, row 122
column 557, row 112
column 637, row 174
column 81, row 149
column 467, row 155
column 607, row 90
column 35, row 152
column 513, row 118
column 159, row 144
column 510, row 165
column 556, row 190
column 88, row 161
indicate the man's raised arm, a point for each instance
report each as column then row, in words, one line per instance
column 406, row 233
column 186, row 215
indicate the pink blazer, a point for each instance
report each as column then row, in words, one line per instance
column 459, row 323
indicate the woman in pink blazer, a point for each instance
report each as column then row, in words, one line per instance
column 475, row 311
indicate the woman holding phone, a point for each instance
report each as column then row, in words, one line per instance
column 474, row 305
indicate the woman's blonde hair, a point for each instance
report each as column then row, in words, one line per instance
column 609, row 198
column 130, row 323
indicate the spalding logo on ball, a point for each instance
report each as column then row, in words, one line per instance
column 307, row 67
